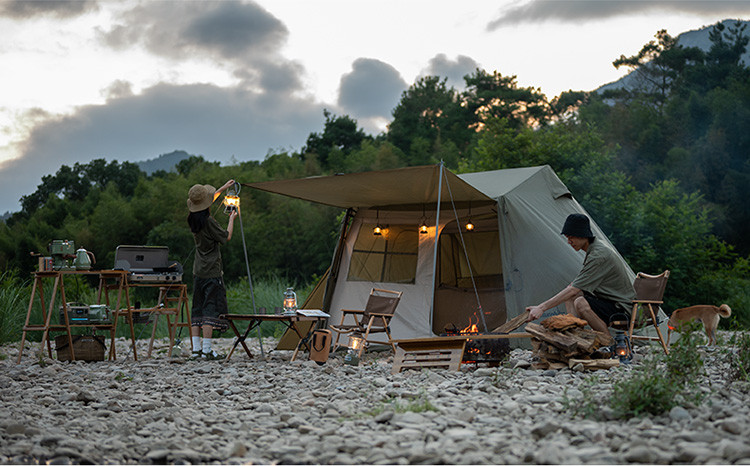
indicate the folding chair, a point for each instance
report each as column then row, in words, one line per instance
column 375, row 318
column 649, row 294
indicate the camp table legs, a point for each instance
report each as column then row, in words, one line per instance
column 290, row 321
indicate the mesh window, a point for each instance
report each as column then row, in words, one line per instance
column 388, row 258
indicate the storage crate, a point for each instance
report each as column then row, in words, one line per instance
column 86, row 347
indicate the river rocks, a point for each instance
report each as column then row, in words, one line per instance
column 272, row 410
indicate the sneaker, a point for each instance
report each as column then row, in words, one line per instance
column 196, row 355
column 214, row 356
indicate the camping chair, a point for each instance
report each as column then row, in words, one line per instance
column 649, row 294
column 375, row 318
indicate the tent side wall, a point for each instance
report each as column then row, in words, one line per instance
column 537, row 261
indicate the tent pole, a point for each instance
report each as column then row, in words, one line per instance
column 336, row 260
column 435, row 251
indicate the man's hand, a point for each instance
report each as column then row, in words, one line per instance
column 535, row 312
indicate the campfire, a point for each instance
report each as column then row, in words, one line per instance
column 479, row 350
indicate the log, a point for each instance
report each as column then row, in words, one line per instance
column 513, row 324
column 594, row 364
column 563, row 322
column 560, row 340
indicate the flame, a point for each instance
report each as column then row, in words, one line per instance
column 231, row 201
column 472, row 327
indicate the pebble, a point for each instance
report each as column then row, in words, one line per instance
column 275, row 411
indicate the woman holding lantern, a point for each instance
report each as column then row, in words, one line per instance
column 209, row 294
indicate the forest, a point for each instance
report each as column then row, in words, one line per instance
column 663, row 167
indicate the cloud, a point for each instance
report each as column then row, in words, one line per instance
column 216, row 122
column 25, row 9
column 371, row 90
column 536, row 11
column 225, row 30
column 455, row 70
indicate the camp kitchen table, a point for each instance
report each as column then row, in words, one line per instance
column 289, row 320
column 108, row 280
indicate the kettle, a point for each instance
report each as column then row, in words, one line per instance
column 83, row 259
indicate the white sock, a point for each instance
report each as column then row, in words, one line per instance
column 206, row 345
column 196, row 344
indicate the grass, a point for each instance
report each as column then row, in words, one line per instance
column 419, row 404
column 654, row 387
column 15, row 294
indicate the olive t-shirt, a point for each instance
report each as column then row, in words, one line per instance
column 207, row 254
column 605, row 276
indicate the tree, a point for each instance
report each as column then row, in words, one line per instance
column 339, row 133
column 493, row 95
column 428, row 115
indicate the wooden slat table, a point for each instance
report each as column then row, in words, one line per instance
column 438, row 352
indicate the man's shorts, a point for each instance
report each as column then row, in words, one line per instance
column 606, row 310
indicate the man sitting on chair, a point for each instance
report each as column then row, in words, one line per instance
column 602, row 288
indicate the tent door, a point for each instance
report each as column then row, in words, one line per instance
column 460, row 271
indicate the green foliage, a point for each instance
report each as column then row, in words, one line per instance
column 655, row 386
column 14, row 297
column 740, row 359
column 418, row 404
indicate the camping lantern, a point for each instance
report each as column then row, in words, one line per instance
column 355, row 346
column 290, row 301
column 232, row 199
column 622, row 348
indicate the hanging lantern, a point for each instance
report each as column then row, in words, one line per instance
column 290, row 302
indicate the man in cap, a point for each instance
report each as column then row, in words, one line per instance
column 209, row 294
column 602, row 288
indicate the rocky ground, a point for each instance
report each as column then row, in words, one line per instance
column 276, row 411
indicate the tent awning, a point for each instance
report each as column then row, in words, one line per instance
column 401, row 188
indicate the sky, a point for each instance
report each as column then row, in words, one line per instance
column 238, row 80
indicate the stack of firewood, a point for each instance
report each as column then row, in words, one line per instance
column 561, row 341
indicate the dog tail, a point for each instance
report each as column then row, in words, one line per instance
column 725, row 311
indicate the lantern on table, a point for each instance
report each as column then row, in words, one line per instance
column 290, row 302
column 356, row 342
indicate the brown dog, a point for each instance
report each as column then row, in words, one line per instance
column 707, row 314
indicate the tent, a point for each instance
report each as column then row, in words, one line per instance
column 514, row 257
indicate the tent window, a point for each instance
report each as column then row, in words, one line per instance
column 483, row 250
column 389, row 258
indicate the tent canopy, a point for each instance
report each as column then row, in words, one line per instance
column 409, row 188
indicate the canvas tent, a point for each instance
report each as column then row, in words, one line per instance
column 514, row 257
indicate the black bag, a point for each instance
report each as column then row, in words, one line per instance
column 320, row 346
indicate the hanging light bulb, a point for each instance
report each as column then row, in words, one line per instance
column 378, row 230
column 469, row 225
column 423, row 226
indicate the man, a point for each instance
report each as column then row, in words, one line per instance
column 602, row 288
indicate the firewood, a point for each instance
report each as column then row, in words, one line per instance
column 560, row 340
column 513, row 324
column 594, row 364
column 563, row 322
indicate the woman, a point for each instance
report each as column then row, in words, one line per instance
column 209, row 294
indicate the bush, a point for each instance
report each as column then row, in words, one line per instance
column 14, row 298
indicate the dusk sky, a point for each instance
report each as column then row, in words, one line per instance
column 232, row 80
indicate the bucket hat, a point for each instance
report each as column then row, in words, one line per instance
column 577, row 225
column 200, row 197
